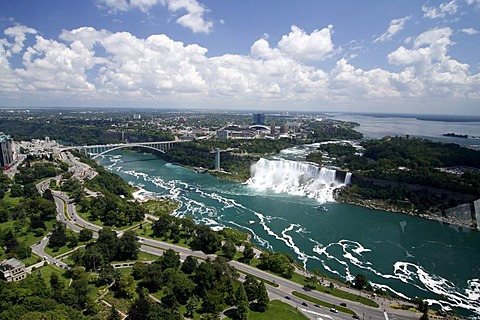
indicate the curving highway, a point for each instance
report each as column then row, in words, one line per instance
column 66, row 213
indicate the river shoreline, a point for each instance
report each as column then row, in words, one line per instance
column 381, row 205
column 374, row 204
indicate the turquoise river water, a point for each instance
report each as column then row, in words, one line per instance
column 407, row 255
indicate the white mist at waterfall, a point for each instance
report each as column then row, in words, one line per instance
column 296, row 178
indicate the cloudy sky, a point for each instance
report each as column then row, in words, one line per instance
column 398, row 56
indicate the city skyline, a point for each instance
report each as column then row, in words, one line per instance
column 392, row 57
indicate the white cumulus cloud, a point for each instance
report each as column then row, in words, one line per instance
column 441, row 11
column 470, row 31
column 192, row 12
column 396, row 25
column 307, row 47
column 86, row 64
column 440, row 74
column 19, row 34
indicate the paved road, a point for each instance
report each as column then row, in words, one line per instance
column 69, row 216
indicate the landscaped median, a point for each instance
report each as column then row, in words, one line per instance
column 322, row 303
column 273, row 284
column 347, row 296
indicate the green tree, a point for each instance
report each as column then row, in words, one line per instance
column 424, row 316
column 4, row 214
column 181, row 285
column 81, row 289
column 213, row 301
column 189, row 265
column 191, row 306
column 206, row 239
column 263, row 300
column 153, row 277
column 204, row 278
column 126, row 286
column 56, row 283
column 311, row 282
column 114, row 314
column 360, row 282
column 128, row 246
column 229, row 249
column 85, row 235
column 161, row 227
column 169, row 259
column 138, row 270
column 58, row 238
column 141, row 307
column 16, row 190
column 251, row 287
column 248, row 253
column 242, row 303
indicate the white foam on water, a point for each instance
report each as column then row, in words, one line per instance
column 353, row 252
column 295, row 178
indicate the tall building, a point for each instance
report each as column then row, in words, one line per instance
column 258, row 118
column 6, row 150
column 217, row 158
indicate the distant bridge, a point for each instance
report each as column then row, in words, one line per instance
column 95, row 151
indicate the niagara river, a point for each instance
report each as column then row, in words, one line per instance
column 279, row 207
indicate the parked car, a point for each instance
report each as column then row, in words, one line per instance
column 304, row 304
column 316, row 305
column 287, row 297
column 333, row 310
column 343, row 304
column 355, row 316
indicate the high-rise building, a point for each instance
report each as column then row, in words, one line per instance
column 217, row 158
column 258, row 118
column 6, row 150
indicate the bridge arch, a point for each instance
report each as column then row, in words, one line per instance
column 127, row 146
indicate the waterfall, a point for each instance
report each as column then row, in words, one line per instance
column 296, row 178
column 348, row 179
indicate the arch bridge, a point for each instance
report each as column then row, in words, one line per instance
column 95, row 151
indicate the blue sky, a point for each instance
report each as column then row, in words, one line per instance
column 394, row 56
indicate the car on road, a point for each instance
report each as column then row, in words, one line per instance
column 333, row 310
column 287, row 297
column 343, row 304
column 304, row 304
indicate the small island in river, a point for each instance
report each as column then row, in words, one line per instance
column 455, row 135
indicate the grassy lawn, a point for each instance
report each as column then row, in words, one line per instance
column 86, row 216
column 127, row 270
column 277, row 310
column 120, row 304
column 9, row 201
column 64, row 249
column 160, row 206
column 298, row 278
column 159, row 294
column 46, row 272
column 322, row 303
column 146, row 232
column 142, row 256
column 347, row 296
column 20, row 228
column 31, row 260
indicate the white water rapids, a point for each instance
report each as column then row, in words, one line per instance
column 296, row 178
